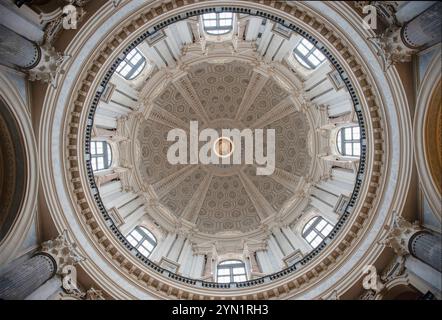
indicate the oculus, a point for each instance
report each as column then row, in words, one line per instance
column 223, row 147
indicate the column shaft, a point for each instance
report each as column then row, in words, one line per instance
column 176, row 248
column 20, row 282
column 427, row 247
column 16, row 50
column 425, row 29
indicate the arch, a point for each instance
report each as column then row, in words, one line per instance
column 401, row 291
column 228, row 271
column 426, row 122
column 21, row 217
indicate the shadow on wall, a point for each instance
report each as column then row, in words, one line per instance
column 12, row 169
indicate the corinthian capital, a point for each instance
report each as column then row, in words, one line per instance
column 64, row 252
column 391, row 47
column 48, row 66
column 399, row 235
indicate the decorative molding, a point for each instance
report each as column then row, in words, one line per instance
column 399, row 234
column 63, row 251
column 48, row 66
column 391, row 48
column 341, row 204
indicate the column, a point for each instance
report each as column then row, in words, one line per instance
column 23, row 21
column 132, row 220
column 297, row 242
column 407, row 10
column 101, row 133
column 330, row 187
column 325, row 196
column 282, row 241
column 192, row 265
column 427, row 247
column 274, row 249
column 20, row 282
column 101, row 179
column 208, row 267
column 325, row 210
column 187, row 264
column 344, row 175
column 109, row 188
column 254, row 263
column 55, row 256
column 40, row 62
column 425, row 29
column 273, row 260
column 184, row 251
column 163, row 248
column 197, row 267
column 176, row 248
column 407, row 238
column 266, row 266
column 185, row 254
column 16, row 50
column 121, row 200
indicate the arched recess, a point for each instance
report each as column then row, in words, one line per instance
column 400, row 289
column 119, row 284
column 428, row 135
column 19, row 169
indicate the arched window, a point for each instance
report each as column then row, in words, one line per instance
column 348, row 141
column 143, row 240
column 132, row 65
column 231, row 271
column 101, row 155
column 316, row 230
column 218, row 23
column 307, row 54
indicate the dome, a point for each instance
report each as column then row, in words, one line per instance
column 227, row 150
column 223, row 197
column 219, row 150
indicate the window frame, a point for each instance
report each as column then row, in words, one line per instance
column 107, row 150
column 145, row 235
column 312, row 228
column 303, row 58
column 210, row 29
column 343, row 141
column 230, row 267
column 139, row 65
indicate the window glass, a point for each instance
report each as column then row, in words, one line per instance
column 308, row 55
column 132, row 65
column 231, row 271
column 142, row 240
column 316, row 230
column 218, row 23
column 348, row 141
column 101, row 155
